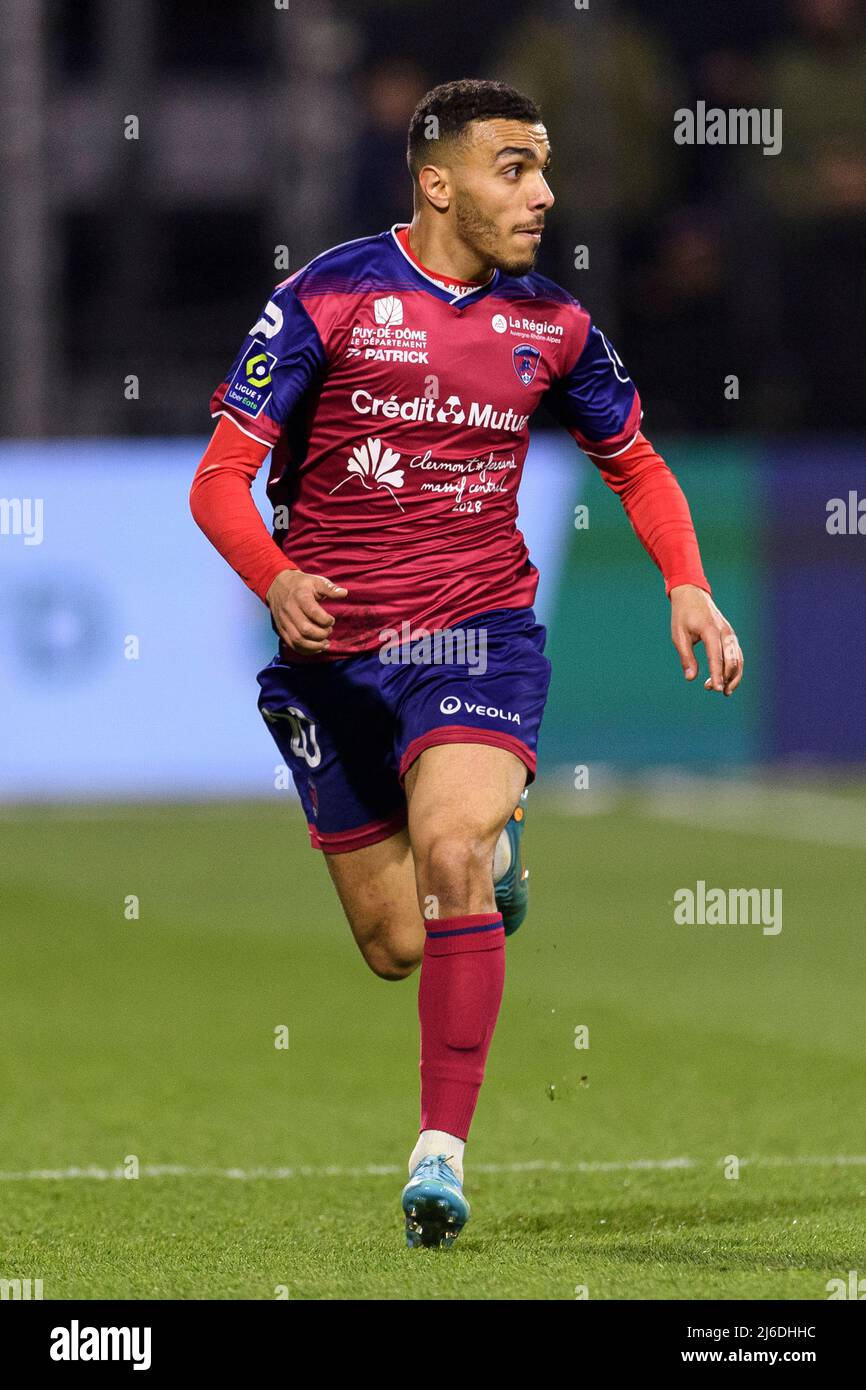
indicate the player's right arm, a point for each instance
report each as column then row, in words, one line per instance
column 299, row 617
column 280, row 360
column 222, row 505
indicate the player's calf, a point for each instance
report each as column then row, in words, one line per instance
column 460, row 797
column 391, row 941
column 376, row 887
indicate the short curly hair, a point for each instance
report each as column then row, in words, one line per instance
column 453, row 105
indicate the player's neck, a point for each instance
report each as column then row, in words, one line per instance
column 441, row 253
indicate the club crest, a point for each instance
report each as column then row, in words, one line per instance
column 526, row 360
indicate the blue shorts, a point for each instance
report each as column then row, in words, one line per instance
column 350, row 729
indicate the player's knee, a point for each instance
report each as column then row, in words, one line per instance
column 453, row 861
column 391, row 962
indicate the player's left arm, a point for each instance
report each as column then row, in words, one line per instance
column 597, row 403
column 659, row 513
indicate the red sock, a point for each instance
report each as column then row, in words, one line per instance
column 462, row 975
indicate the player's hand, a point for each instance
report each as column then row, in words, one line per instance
column 695, row 618
column 300, row 619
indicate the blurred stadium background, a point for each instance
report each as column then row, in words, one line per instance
column 267, row 132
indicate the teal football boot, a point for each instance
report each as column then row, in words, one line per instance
column 512, row 890
column 433, row 1203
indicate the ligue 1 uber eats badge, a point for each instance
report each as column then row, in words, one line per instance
column 526, row 361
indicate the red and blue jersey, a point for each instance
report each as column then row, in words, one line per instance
column 397, row 408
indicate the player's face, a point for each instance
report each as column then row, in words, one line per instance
column 501, row 194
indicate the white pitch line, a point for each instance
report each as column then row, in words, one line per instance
column 803, row 814
column 378, row 1170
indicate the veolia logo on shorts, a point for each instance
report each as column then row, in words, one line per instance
column 451, row 704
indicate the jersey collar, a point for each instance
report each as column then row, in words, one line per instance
column 430, row 285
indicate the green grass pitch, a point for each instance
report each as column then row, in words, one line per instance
column 154, row 1038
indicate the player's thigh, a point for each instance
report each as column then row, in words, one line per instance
column 460, row 796
column 376, row 887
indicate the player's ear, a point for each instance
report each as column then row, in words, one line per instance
column 435, row 186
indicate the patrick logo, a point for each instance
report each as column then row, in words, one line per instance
column 372, row 465
column 526, row 360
